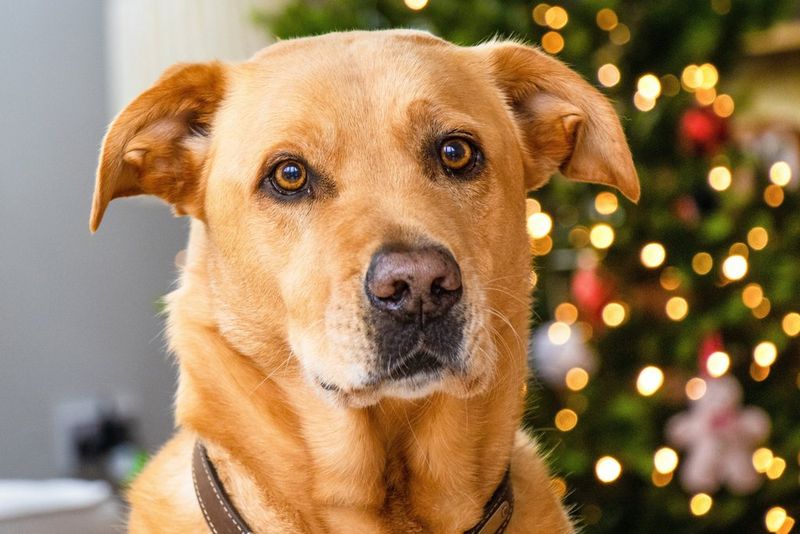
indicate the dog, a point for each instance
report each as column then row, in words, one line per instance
column 352, row 317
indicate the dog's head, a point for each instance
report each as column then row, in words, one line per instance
column 363, row 196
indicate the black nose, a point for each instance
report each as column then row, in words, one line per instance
column 413, row 284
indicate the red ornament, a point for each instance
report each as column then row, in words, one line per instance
column 702, row 132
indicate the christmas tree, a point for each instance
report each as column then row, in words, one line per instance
column 665, row 345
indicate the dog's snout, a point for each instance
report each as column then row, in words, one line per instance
column 409, row 283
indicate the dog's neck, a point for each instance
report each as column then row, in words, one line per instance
column 305, row 454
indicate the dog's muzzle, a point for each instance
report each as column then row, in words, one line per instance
column 416, row 319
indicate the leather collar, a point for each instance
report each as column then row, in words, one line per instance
column 223, row 518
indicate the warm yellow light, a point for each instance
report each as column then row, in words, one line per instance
column 718, row 363
column 701, row 504
column 578, row 237
column 650, row 380
column 780, row 173
column 601, row 235
column 677, row 308
column 765, row 353
column 709, row 75
column 643, row 103
column 541, row 247
column 776, row 468
column 649, row 86
column 566, row 313
column 775, row 518
column 607, row 469
column 702, row 263
column 719, row 178
column 705, row 97
column 577, row 379
column 620, row 34
column 660, row 479
column 670, row 85
column 552, row 42
column 665, row 460
column 670, row 278
column 539, row 14
column 606, row 203
column 566, row 420
column 416, row 5
column 691, row 77
column 695, row 388
column 539, row 225
column 723, row 105
column 758, row 373
column 608, row 75
column 734, row 267
column 739, row 249
column 532, row 206
column 559, row 487
column 606, row 19
column 763, row 308
column 534, row 278
column 762, row 459
column 613, row 314
column 559, row 333
column 653, row 255
column 791, row 324
column 757, row 238
column 556, row 17
column 752, row 295
column 773, row 195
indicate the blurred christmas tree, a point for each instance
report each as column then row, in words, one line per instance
column 688, row 301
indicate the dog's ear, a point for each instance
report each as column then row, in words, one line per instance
column 566, row 124
column 158, row 144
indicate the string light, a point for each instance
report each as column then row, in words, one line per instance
column 613, row 314
column 758, row 373
column 606, row 19
column 723, row 105
column 705, row 97
column 721, row 7
column 765, row 353
column 532, row 206
column 739, row 249
column 791, row 324
column 752, row 295
column 578, row 237
column 757, row 238
column 695, row 388
column 601, row 235
column 660, row 479
column 539, row 14
column 643, row 103
column 556, row 17
column 718, row 364
column 607, row 469
column 677, row 308
column 702, row 263
column 775, row 518
column 762, row 459
column 416, row 5
column 665, row 460
column 606, row 203
column 719, row 178
column 576, row 378
column 566, row 313
column 773, row 195
column 670, row 278
column 650, row 380
column 776, row 468
column 566, row 420
column 762, row 310
column 649, row 86
column 653, row 255
column 670, row 85
column 620, row 34
column 539, row 225
column 608, row 75
column 780, row 173
column 734, row 267
column 552, row 42
column 559, row 333
column 700, row 504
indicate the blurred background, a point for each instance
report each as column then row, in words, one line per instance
column 666, row 335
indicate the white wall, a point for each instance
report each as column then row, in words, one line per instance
column 77, row 318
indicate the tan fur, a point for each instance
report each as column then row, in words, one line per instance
column 270, row 300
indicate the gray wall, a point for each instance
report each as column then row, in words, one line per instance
column 77, row 315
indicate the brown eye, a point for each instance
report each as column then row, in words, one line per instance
column 457, row 155
column 289, row 177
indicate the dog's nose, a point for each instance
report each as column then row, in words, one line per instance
column 417, row 283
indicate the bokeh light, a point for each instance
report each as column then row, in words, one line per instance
column 608, row 75
column 613, row 314
column 719, row 178
column 650, row 380
column 700, row 504
column 718, row 363
column 765, row 353
column 665, row 460
column 677, row 308
column 734, row 267
column 601, row 235
column 608, row 469
column 653, row 255
column 566, row 420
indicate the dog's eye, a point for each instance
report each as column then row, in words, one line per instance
column 457, row 155
column 289, row 177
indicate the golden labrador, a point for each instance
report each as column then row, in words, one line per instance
column 352, row 317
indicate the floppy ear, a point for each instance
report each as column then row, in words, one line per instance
column 566, row 124
column 158, row 144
